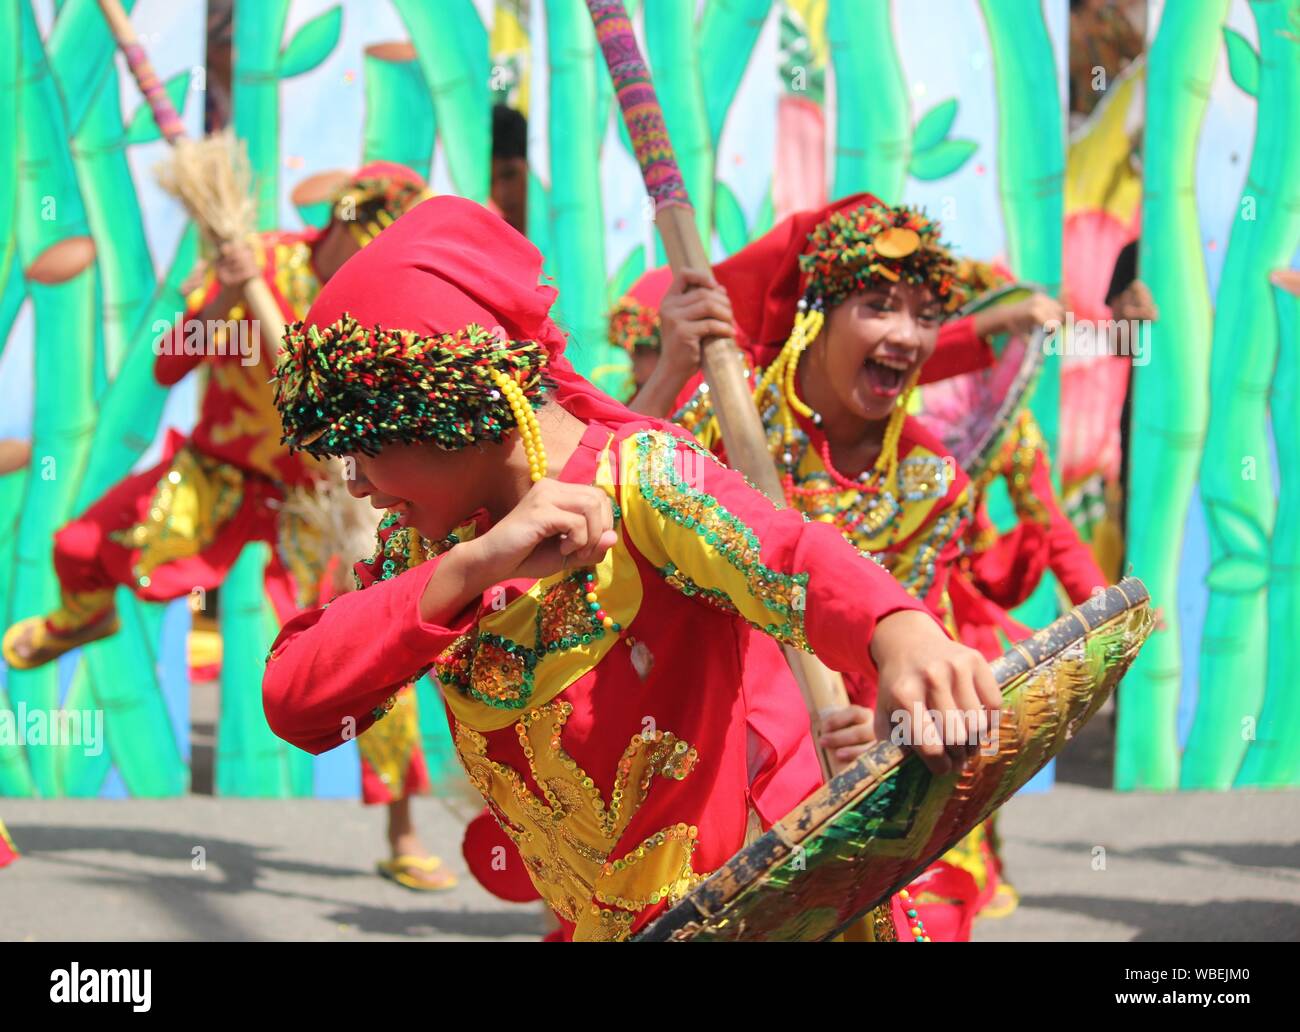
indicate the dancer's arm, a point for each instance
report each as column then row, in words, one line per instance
column 964, row 347
column 211, row 302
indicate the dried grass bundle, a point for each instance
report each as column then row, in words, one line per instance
column 346, row 524
column 214, row 181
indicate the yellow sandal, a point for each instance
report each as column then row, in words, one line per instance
column 400, row 867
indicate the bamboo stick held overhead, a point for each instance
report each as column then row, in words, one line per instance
column 724, row 369
column 210, row 177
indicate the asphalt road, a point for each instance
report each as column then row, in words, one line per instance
column 1181, row 866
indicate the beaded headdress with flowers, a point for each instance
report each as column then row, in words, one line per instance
column 634, row 320
column 853, row 250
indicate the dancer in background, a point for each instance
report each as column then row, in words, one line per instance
column 181, row 524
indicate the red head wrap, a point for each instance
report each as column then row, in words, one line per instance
column 447, row 263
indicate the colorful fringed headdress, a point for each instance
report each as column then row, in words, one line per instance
column 374, row 198
column 347, row 388
column 438, row 331
column 634, row 320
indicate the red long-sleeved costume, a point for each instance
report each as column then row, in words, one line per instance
column 618, row 766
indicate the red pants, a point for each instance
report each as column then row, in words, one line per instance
column 90, row 554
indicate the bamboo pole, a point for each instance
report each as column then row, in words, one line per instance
column 724, row 370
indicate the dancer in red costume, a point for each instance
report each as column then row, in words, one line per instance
column 840, row 312
column 611, row 747
column 181, row 524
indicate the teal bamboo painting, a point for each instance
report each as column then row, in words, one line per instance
column 55, row 248
column 1169, row 394
column 873, row 112
column 1273, row 758
column 1236, row 483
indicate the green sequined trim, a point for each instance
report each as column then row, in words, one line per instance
column 663, row 488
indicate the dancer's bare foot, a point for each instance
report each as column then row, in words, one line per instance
column 30, row 643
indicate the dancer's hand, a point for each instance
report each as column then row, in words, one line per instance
column 936, row 696
column 1021, row 317
column 556, row 527
column 847, row 732
column 695, row 307
column 1135, row 302
column 235, row 266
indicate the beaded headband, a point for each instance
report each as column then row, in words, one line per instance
column 368, row 206
column 853, row 250
column 346, row 388
column 634, row 326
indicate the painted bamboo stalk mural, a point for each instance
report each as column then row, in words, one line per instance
column 137, row 723
column 1235, row 477
column 259, row 65
column 873, row 113
column 10, row 289
column 99, row 152
column 399, row 119
column 1031, row 176
column 1170, row 395
column 576, row 230
column 247, row 763
column 1031, row 163
column 58, row 256
column 1273, row 759
column 728, row 31
column 451, row 43
column 251, row 760
column 15, row 779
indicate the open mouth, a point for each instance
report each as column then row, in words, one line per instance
column 886, row 376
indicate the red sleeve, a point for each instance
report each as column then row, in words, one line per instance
column 959, row 350
column 1069, row 556
column 172, row 363
column 330, row 669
